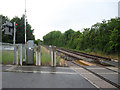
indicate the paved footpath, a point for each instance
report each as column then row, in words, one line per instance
column 42, row 77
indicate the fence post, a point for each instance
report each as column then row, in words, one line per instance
column 51, row 55
column 38, row 56
column 21, row 54
column 54, row 56
column 16, row 54
column 14, row 42
column 23, row 51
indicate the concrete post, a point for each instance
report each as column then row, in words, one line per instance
column 14, row 42
column 21, row 54
column 51, row 55
column 16, row 54
column 54, row 56
column 38, row 56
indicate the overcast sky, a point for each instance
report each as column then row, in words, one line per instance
column 48, row 15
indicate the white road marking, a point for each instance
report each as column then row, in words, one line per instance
column 95, row 68
column 46, row 67
column 58, row 72
column 41, row 72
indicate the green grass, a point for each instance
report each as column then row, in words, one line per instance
column 0, row 56
column 45, row 56
column 7, row 57
column 57, row 59
column 34, row 55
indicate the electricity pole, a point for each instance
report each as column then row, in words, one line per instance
column 25, row 22
column 14, row 42
column 24, row 60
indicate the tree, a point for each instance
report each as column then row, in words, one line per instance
column 53, row 38
column 38, row 42
column 20, row 31
column 103, row 37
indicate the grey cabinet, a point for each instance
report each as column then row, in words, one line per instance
column 30, row 52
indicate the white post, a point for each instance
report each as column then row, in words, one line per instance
column 21, row 54
column 36, row 55
column 16, row 55
column 25, row 33
column 51, row 55
column 54, row 56
column 39, row 63
column 14, row 41
column 23, row 51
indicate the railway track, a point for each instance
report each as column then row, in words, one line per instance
column 85, row 54
column 107, row 74
column 95, row 58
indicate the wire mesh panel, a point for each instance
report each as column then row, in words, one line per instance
column 7, row 50
column 7, row 53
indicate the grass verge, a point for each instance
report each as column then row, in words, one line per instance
column 7, row 57
column 45, row 56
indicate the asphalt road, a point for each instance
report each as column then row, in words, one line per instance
column 61, row 78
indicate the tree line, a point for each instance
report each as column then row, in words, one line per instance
column 20, row 30
column 103, row 37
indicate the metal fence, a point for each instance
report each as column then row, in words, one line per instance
column 6, row 46
column 16, row 55
column 8, row 52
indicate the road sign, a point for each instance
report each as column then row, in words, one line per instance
column 9, row 24
column 8, row 28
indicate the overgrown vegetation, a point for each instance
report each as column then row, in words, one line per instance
column 45, row 56
column 101, row 37
column 20, row 30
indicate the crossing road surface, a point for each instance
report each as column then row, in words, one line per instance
column 43, row 77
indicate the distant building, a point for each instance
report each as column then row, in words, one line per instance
column 119, row 9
